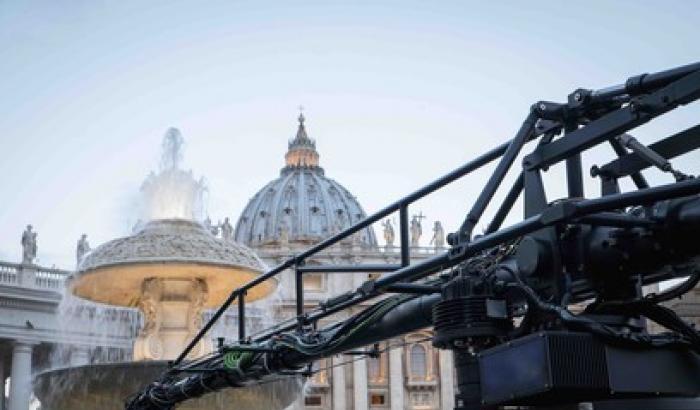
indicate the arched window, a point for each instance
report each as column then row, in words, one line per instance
column 419, row 363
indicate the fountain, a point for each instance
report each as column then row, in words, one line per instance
column 170, row 269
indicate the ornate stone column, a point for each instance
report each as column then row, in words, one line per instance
column 339, row 402
column 359, row 381
column 447, row 389
column 396, row 379
column 21, row 375
column 172, row 311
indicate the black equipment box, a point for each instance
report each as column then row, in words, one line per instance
column 565, row 367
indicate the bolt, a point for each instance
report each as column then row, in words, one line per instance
column 543, row 106
column 577, row 96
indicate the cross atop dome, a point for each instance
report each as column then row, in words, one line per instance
column 301, row 115
column 301, row 151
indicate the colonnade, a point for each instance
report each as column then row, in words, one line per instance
column 20, row 376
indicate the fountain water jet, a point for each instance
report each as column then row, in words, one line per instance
column 171, row 269
column 173, row 193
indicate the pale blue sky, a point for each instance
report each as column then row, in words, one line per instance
column 396, row 93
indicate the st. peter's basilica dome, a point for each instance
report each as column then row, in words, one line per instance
column 302, row 205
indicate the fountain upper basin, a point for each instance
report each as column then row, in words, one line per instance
column 114, row 272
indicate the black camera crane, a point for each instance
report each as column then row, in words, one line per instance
column 600, row 251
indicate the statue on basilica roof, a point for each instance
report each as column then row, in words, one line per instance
column 226, row 230
column 416, row 229
column 388, row 233
column 28, row 245
column 82, row 248
column 438, row 236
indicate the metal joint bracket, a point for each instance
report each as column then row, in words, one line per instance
column 372, row 353
column 543, row 126
column 633, row 85
column 368, row 287
column 343, row 297
column 558, row 212
column 548, row 110
column 579, row 98
column 531, row 161
column 303, row 320
column 457, row 251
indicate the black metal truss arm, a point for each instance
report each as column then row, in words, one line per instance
column 587, row 119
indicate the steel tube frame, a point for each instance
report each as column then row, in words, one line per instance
column 525, row 133
column 574, row 168
column 348, row 268
column 403, row 235
column 637, row 177
column 299, row 284
column 241, row 316
column 617, row 122
column 630, row 164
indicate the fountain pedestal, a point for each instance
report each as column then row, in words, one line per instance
column 172, row 311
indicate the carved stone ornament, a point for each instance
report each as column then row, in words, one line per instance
column 171, row 240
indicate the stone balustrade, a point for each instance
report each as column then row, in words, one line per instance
column 17, row 274
column 50, row 278
column 9, row 273
column 339, row 250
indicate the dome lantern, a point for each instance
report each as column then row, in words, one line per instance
column 302, row 149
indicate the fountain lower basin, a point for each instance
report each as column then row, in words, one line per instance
column 106, row 387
